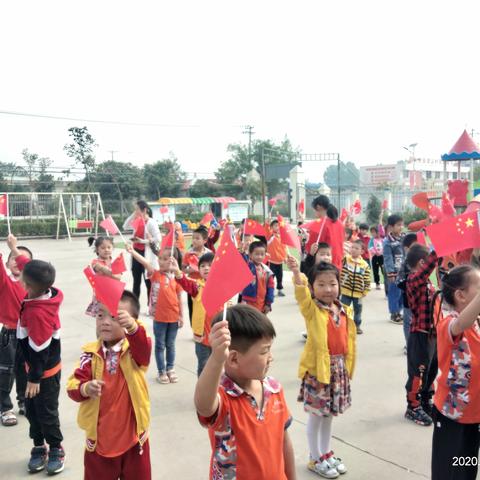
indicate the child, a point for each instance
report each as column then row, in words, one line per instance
column 245, row 410
column 327, row 361
column 363, row 236
column 348, row 241
column 456, row 410
column 190, row 261
column 421, row 347
column 200, row 320
column 179, row 239
column 278, row 254
column 165, row 306
column 375, row 247
column 102, row 265
column 319, row 252
column 109, row 383
column 38, row 334
column 393, row 257
column 12, row 363
column 259, row 293
column 356, row 279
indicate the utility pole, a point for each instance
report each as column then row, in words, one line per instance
column 112, row 152
column 338, row 180
column 249, row 131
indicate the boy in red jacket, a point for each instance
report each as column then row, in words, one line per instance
column 12, row 364
column 38, row 334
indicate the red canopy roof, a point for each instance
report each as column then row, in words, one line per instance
column 464, row 144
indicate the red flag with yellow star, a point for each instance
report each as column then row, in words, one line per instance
column 251, row 227
column 455, row 234
column 228, row 276
column 288, row 235
column 107, row 290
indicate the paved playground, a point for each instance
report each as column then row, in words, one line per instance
column 372, row 437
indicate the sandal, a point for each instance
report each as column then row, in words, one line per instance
column 163, row 379
column 9, row 419
column 172, row 376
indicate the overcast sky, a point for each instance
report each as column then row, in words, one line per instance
column 362, row 78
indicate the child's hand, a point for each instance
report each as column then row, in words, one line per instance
column 267, row 309
column 220, row 341
column 314, row 249
column 129, row 247
column 174, row 266
column 12, row 242
column 125, row 320
column 93, row 388
column 33, row 389
column 180, row 322
column 292, row 264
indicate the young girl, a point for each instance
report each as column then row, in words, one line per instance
column 327, row 361
column 456, row 410
column 102, row 265
column 165, row 306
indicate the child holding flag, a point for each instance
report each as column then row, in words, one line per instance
column 109, row 383
column 327, row 361
column 12, row 363
column 278, row 253
column 165, row 306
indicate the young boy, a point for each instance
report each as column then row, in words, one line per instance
column 260, row 292
column 200, row 320
column 319, row 252
column 422, row 343
column 278, row 254
column 355, row 281
column 12, row 363
column 38, row 334
column 190, row 260
column 364, row 237
column 393, row 257
column 244, row 410
column 110, row 385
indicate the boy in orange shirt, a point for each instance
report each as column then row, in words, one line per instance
column 244, row 410
column 110, row 385
column 278, row 254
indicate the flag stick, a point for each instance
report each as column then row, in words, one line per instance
column 321, row 229
column 8, row 217
column 224, row 311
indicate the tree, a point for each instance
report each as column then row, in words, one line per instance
column 206, row 188
column 349, row 176
column 164, row 178
column 81, row 150
column 374, row 209
column 36, row 170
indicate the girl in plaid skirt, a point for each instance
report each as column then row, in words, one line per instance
column 327, row 361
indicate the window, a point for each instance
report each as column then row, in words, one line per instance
column 438, row 175
column 454, row 175
column 428, row 174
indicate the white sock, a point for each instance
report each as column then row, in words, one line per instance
column 313, row 434
column 325, row 434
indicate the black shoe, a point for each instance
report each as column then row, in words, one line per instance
column 56, row 461
column 418, row 416
column 21, row 408
column 38, row 459
column 396, row 318
column 359, row 331
column 280, row 293
column 428, row 407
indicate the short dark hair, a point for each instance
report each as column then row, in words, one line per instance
column 96, row 242
column 142, row 205
column 177, row 254
column 319, row 269
column 247, row 325
column 38, row 274
column 393, row 219
column 273, row 222
column 203, row 231
column 324, row 246
column 359, row 243
column 132, row 300
column 256, row 244
column 457, row 278
column 206, row 258
column 416, row 253
column 373, row 228
column 21, row 249
column 409, row 239
column 363, row 226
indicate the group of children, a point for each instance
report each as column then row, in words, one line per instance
column 243, row 408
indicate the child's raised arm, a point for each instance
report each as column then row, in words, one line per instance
column 140, row 259
column 293, row 266
column 206, row 391
column 467, row 317
column 12, row 245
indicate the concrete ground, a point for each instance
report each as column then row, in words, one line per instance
column 372, row 437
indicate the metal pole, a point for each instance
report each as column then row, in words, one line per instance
column 338, row 180
column 263, row 184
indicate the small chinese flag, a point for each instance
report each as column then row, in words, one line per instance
column 207, row 218
column 272, row 202
column 421, row 200
column 301, row 206
column 384, row 204
column 164, row 209
column 315, row 226
column 169, row 239
column 251, row 227
column 109, row 225
column 107, row 290
column 343, row 215
column 118, row 265
column 447, row 206
column 356, row 208
column 421, row 238
column 288, row 235
column 455, row 234
column 3, row 206
column 228, row 276
column 137, row 223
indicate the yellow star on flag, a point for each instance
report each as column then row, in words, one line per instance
column 469, row 222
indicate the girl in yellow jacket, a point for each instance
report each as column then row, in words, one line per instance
column 327, row 361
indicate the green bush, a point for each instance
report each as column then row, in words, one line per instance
column 412, row 215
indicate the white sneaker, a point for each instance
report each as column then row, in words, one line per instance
column 323, row 469
column 337, row 463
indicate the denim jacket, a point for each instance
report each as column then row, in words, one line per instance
column 393, row 253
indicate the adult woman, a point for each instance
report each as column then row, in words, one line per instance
column 145, row 232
